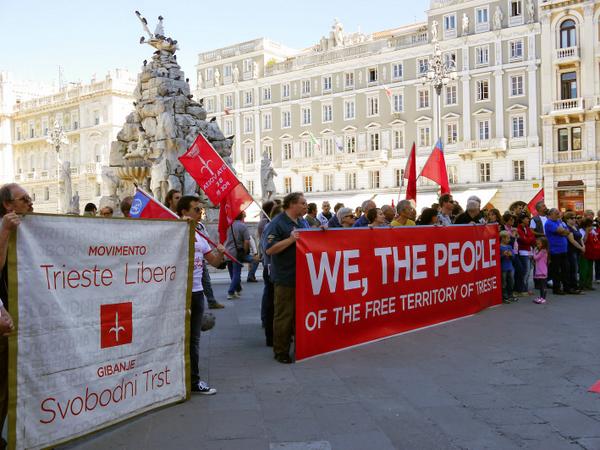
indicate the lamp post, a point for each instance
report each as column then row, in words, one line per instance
column 439, row 74
column 57, row 138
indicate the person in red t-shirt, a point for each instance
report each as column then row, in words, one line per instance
column 525, row 241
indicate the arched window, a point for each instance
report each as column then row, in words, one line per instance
column 568, row 33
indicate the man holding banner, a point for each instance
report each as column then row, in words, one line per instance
column 14, row 201
column 189, row 207
column 281, row 246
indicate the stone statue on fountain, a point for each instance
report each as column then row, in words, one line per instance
column 165, row 121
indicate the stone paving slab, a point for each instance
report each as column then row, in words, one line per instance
column 511, row 377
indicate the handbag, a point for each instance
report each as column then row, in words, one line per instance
column 208, row 322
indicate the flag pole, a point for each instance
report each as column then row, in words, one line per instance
column 203, row 235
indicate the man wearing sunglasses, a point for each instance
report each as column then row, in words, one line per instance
column 14, row 202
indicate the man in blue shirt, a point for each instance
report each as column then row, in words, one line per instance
column 362, row 220
column 281, row 247
column 556, row 233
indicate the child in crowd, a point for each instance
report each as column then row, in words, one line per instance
column 507, row 253
column 540, row 274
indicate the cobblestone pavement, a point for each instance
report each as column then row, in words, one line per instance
column 514, row 376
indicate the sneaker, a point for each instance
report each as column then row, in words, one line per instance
column 539, row 300
column 203, row 389
column 216, row 305
column 233, row 296
column 506, row 301
column 514, row 300
column 251, row 280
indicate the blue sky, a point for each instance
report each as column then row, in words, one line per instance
column 92, row 37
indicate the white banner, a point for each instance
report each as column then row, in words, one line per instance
column 101, row 309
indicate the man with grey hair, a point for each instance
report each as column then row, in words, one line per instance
column 475, row 199
column 472, row 215
column 405, row 214
column 538, row 222
column 14, row 202
column 366, row 206
column 345, row 217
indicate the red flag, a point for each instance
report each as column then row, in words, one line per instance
column 410, row 173
column 537, row 198
column 231, row 207
column 209, row 170
column 435, row 168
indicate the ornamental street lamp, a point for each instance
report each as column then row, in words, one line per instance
column 439, row 73
column 58, row 138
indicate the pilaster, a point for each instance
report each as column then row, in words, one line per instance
column 499, row 90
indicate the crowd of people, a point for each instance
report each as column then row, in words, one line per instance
column 559, row 250
column 549, row 249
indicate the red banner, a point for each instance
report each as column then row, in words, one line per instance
column 209, row 170
column 359, row 285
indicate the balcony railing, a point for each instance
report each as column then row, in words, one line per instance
column 566, row 54
column 514, row 21
column 568, row 155
column 485, row 144
column 571, row 104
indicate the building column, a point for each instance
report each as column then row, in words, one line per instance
column 548, row 142
column 257, row 143
column 466, row 101
column 499, row 93
column 238, row 157
column 589, row 140
column 549, row 93
column 533, row 95
column 586, row 50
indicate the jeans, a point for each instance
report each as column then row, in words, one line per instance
column 507, row 284
column 195, row 330
column 207, row 285
column 253, row 267
column 267, row 307
column 558, row 270
column 522, row 266
column 573, row 271
column 235, row 274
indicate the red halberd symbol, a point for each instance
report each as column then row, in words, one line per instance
column 116, row 326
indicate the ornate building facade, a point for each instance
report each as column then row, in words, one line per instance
column 571, row 102
column 338, row 119
column 91, row 116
